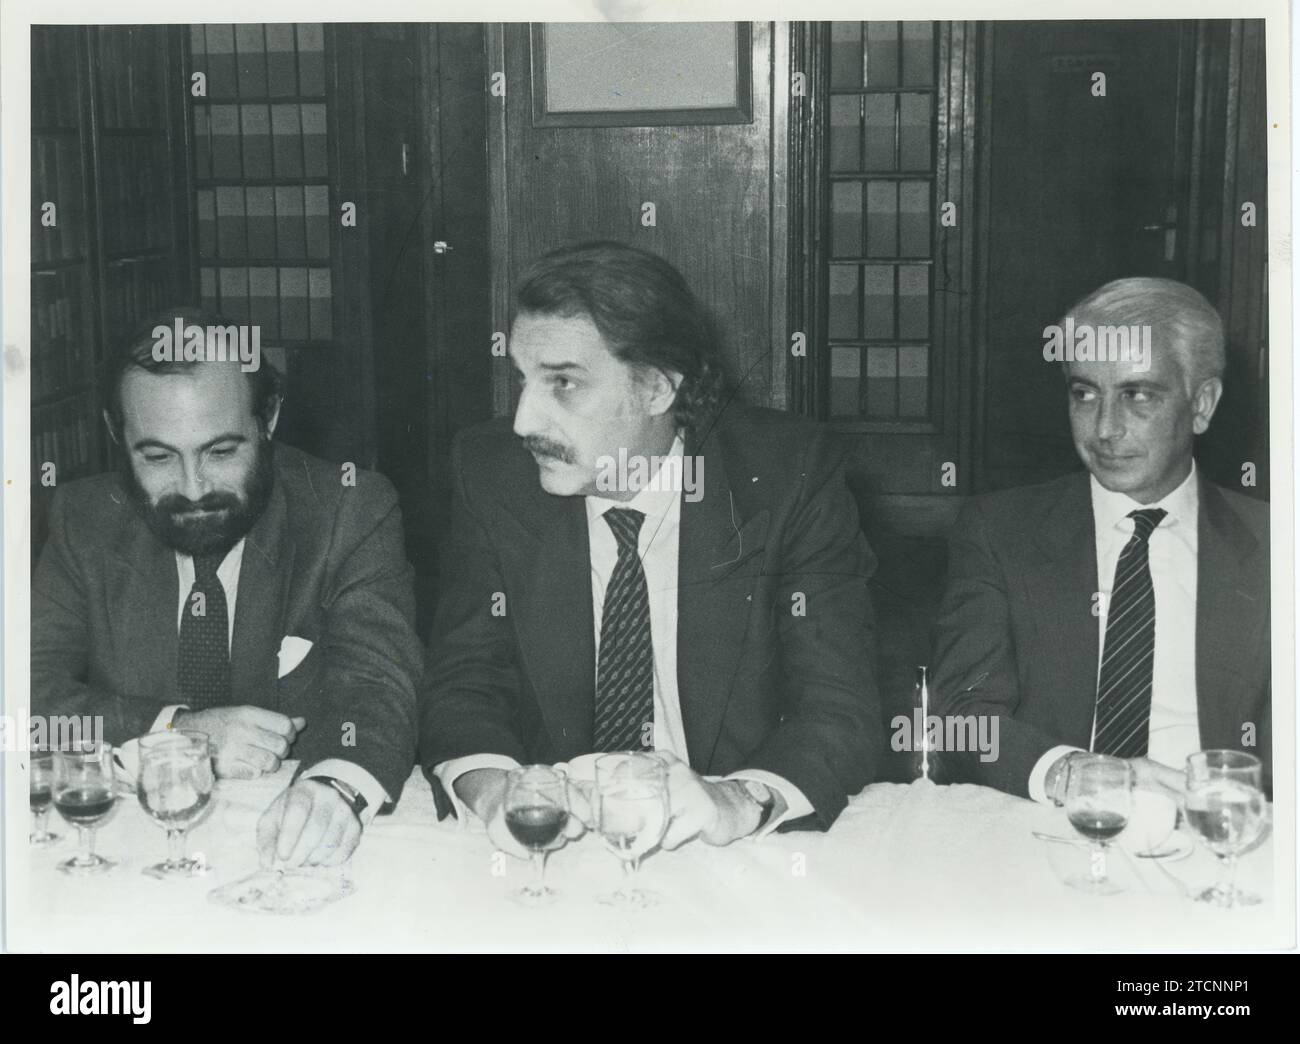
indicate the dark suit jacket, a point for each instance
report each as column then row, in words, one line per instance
column 1017, row 637
column 324, row 563
column 760, row 687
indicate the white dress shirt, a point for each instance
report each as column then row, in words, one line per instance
column 658, row 547
column 228, row 573
column 1172, row 556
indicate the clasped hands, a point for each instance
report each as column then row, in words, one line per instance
column 718, row 812
column 309, row 823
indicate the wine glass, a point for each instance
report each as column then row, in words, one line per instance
column 536, row 811
column 84, row 794
column 1099, row 801
column 631, row 817
column 1224, row 804
column 39, row 790
column 174, row 786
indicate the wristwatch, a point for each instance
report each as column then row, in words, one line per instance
column 355, row 799
column 761, row 794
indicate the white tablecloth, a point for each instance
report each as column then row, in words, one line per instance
column 911, row 867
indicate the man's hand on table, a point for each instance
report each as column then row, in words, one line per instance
column 718, row 813
column 249, row 741
column 309, row 823
column 484, row 791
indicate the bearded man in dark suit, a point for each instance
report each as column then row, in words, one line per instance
column 224, row 583
column 634, row 565
column 1125, row 609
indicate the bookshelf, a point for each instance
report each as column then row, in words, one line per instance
column 108, row 152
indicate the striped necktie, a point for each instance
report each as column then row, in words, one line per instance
column 625, row 671
column 1128, row 659
column 203, row 658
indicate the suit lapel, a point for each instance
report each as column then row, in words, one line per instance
column 714, row 540
column 1063, row 590
column 556, row 629
column 259, row 607
column 146, row 576
column 1227, row 615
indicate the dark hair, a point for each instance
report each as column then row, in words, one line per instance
column 136, row 352
column 642, row 307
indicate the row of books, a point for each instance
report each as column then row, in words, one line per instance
column 288, row 304
column 61, row 435
column 55, row 100
column 135, row 194
column 260, row 142
column 287, row 222
column 57, row 180
column 60, row 332
column 260, row 61
column 133, row 289
column 129, row 66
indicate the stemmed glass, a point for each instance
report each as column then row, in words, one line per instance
column 1224, row 803
column 1099, row 801
column 40, row 794
column 536, row 811
column 174, row 787
column 631, row 817
column 84, row 794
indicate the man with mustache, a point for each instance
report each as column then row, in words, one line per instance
column 1124, row 609
column 641, row 565
column 227, row 584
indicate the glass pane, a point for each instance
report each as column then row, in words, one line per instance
column 234, row 293
column 882, row 218
column 261, row 222
column 846, row 219
column 287, row 141
column 914, row 302
column 882, row 379
column 880, row 132
column 846, row 54
column 208, row 289
column 264, row 301
column 221, row 61
column 256, row 123
column 844, row 301
column 878, row 302
column 207, row 208
column 294, row 315
column 882, row 54
column 846, row 133
column 914, row 112
column 251, row 59
column 913, row 380
column 224, row 121
column 281, row 65
column 918, row 54
column 232, row 235
column 311, row 59
column 846, row 370
column 321, row 304
column 914, row 219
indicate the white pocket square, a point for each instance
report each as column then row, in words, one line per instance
column 293, row 650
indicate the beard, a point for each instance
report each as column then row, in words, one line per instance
column 231, row 516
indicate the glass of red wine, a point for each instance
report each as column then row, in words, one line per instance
column 174, row 786
column 1224, row 804
column 1099, row 801
column 536, row 811
column 84, row 794
column 40, row 790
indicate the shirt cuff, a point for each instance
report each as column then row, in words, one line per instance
column 786, row 793
column 449, row 771
column 358, row 779
column 1038, row 775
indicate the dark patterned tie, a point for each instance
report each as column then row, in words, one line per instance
column 1128, row 659
column 203, row 659
column 625, row 674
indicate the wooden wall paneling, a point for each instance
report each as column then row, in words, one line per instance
column 711, row 186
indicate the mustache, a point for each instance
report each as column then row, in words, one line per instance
column 176, row 503
column 540, row 447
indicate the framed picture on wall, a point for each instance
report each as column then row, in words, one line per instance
column 641, row 74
